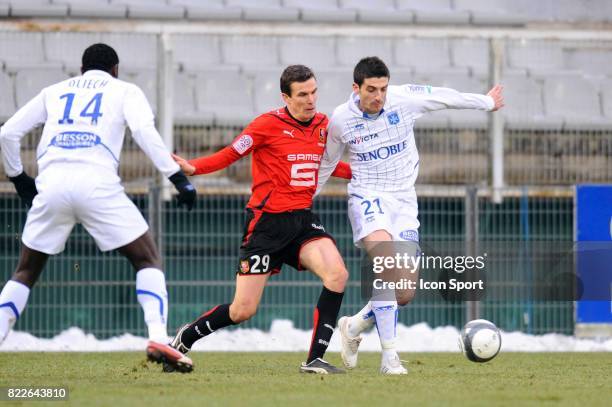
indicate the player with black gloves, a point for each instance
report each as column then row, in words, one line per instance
column 78, row 158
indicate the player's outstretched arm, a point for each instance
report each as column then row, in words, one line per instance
column 496, row 93
column 207, row 164
column 424, row 99
column 30, row 116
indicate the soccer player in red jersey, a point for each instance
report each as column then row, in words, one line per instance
column 287, row 146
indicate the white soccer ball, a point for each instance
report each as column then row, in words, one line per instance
column 480, row 340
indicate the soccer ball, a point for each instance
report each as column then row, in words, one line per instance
column 480, row 340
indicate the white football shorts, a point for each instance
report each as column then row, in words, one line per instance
column 94, row 197
column 395, row 213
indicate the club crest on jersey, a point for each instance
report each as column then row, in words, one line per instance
column 243, row 144
column 411, row 235
column 393, row 118
column 245, row 266
column 322, row 135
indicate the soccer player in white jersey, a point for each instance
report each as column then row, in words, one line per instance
column 376, row 123
column 78, row 157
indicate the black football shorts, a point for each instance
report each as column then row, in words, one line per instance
column 271, row 239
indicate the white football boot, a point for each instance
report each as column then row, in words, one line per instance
column 350, row 346
column 392, row 365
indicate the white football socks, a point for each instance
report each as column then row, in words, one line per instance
column 386, row 322
column 361, row 321
column 13, row 299
column 153, row 298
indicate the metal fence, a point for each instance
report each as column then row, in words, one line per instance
column 83, row 287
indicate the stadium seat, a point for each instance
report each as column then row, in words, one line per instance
column 334, row 89
column 227, row 95
column 576, row 99
column 155, row 11
column 7, row 101
column 96, row 9
column 606, row 98
column 314, row 52
column 31, row 81
column 264, row 10
column 524, row 108
column 434, row 11
column 351, row 49
column 580, row 10
column 250, row 51
column 67, row 48
column 209, row 10
column 378, row 11
column 538, row 57
column 266, row 85
column 196, row 52
column 136, row 51
column 595, row 61
column 472, row 54
column 37, row 8
column 145, row 79
column 425, row 55
column 184, row 98
column 321, row 11
column 491, row 12
column 22, row 49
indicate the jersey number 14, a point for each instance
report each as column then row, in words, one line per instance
column 92, row 109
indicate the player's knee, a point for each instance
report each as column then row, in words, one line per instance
column 404, row 297
column 242, row 311
column 336, row 278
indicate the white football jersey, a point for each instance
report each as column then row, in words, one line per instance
column 84, row 123
column 382, row 149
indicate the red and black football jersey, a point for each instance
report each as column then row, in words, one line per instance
column 286, row 159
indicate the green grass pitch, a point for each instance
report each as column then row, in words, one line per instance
column 253, row 379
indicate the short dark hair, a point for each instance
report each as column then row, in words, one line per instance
column 294, row 73
column 99, row 56
column 370, row 67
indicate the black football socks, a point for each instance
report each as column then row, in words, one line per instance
column 209, row 322
column 325, row 315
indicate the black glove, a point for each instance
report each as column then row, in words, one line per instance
column 186, row 192
column 26, row 188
